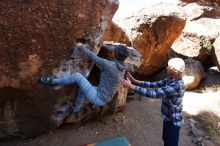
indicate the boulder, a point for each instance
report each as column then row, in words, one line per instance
column 216, row 52
column 197, row 38
column 193, row 74
column 36, row 39
column 152, row 32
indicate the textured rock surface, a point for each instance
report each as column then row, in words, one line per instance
column 216, row 52
column 203, row 2
column 36, row 38
column 116, row 34
column 193, row 74
column 198, row 36
column 152, row 31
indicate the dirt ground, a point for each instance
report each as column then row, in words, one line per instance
column 140, row 122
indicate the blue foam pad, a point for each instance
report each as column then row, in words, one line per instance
column 117, row 141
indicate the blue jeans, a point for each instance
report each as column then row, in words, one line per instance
column 170, row 134
column 85, row 89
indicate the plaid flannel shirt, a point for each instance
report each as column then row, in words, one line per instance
column 171, row 91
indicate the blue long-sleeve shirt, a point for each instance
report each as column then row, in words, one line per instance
column 171, row 91
column 111, row 72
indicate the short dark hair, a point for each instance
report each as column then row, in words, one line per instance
column 121, row 52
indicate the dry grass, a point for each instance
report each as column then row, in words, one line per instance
column 208, row 122
column 212, row 89
column 205, row 109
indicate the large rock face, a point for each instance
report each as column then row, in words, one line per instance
column 202, row 28
column 36, row 35
column 152, row 31
column 36, row 38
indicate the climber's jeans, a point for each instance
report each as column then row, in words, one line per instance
column 85, row 89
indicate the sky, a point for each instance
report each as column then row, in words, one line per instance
column 128, row 6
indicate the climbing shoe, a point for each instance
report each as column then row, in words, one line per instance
column 45, row 80
column 74, row 117
column 77, row 114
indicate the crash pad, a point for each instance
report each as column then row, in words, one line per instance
column 116, row 141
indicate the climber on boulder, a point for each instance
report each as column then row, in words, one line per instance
column 112, row 70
